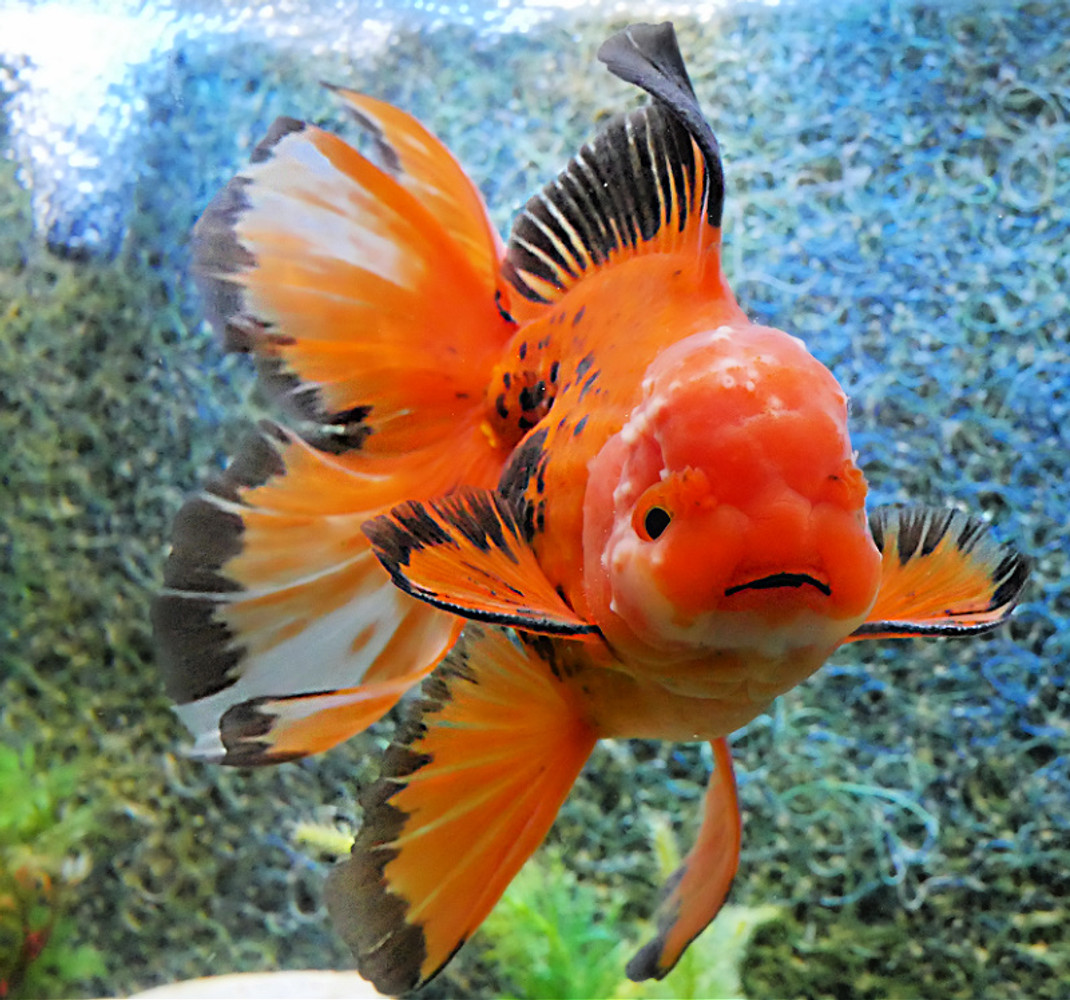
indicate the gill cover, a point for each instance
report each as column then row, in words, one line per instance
column 728, row 512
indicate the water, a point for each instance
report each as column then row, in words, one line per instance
column 898, row 176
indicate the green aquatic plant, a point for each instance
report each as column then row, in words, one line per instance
column 711, row 965
column 558, row 936
column 39, row 865
column 555, row 936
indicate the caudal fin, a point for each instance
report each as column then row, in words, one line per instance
column 468, row 791
column 369, row 296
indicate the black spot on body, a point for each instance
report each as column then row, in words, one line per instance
column 502, row 311
column 578, row 318
column 578, row 429
column 522, row 466
column 528, row 398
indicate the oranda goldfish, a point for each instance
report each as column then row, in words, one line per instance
column 567, row 475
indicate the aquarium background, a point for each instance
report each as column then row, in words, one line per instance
column 898, row 194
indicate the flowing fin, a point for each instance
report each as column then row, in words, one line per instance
column 650, row 182
column 272, row 591
column 696, row 891
column 942, row 574
column 468, row 791
column 370, row 297
column 467, row 553
column 368, row 294
column 422, row 165
column 274, row 730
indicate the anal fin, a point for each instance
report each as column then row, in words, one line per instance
column 468, row 791
column 941, row 574
column 696, row 891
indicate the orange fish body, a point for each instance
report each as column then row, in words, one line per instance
column 646, row 506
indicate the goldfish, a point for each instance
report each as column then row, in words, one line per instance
column 562, row 485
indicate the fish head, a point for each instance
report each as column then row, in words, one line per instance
column 728, row 512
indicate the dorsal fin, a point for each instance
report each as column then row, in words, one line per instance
column 650, row 182
column 649, row 56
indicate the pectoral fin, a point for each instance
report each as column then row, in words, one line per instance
column 696, row 891
column 941, row 574
column 466, row 553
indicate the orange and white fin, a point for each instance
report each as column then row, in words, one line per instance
column 941, row 574
column 278, row 633
column 696, row 891
column 272, row 730
column 466, row 553
column 371, row 298
column 650, row 182
column 370, row 295
column 468, row 791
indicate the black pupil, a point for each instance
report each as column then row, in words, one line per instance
column 656, row 521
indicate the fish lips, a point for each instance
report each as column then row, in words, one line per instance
column 781, row 579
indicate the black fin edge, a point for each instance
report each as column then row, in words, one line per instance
column 918, row 531
column 480, row 518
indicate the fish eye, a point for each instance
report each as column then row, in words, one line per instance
column 655, row 522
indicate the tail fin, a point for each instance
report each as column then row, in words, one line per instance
column 467, row 793
column 369, row 296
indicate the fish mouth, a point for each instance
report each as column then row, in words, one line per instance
column 776, row 580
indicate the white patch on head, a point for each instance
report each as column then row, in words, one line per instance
column 639, row 424
column 625, row 493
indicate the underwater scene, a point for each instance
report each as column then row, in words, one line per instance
column 896, row 195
